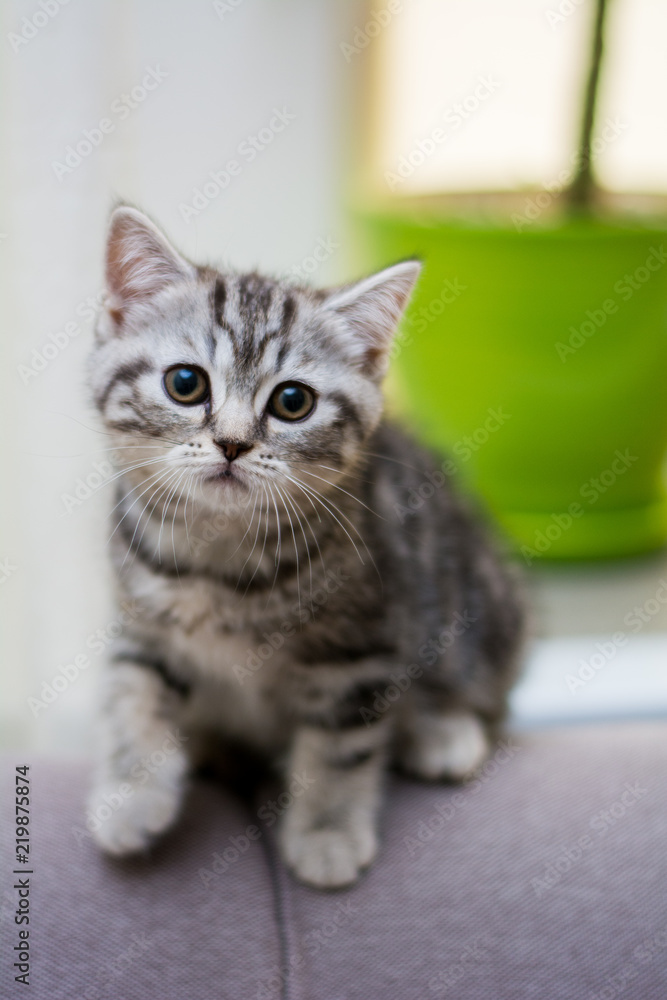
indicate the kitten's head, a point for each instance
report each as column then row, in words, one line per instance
column 237, row 382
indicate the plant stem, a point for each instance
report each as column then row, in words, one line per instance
column 580, row 194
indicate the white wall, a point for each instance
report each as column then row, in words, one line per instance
column 224, row 77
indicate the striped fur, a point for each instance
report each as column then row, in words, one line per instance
column 292, row 600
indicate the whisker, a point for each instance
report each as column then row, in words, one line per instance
column 185, row 510
column 245, row 534
column 126, row 447
column 324, row 503
column 336, row 487
column 173, row 522
column 129, row 493
column 98, row 430
column 266, row 535
column 317, row 513
column 347, row 474
column 254, row 542
column 278, row 551
column 279, row 546
column 388, row 458
column 151, row 482
column 310, row 564
column 165, row 509
column 154, row 499
column 154, row 487
column 296, row 548
column 310, row 527
column 96, row 451
column 132, row 468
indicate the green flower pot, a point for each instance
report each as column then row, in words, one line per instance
column 536, row 356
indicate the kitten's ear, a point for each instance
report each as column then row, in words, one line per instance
column 140, row 261
column 372, row 308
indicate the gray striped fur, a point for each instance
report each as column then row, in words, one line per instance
column 295, row 603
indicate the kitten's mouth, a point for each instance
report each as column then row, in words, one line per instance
column 226, row 477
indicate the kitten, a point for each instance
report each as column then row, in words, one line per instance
column 289, row 592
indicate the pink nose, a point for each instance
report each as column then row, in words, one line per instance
column 232, row 449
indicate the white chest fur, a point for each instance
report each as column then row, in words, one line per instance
column 207, row 626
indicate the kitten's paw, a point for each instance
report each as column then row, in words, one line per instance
column 329, row 859
column 446, row 746
column 128, row 824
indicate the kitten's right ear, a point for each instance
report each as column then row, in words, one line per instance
column 140, row 261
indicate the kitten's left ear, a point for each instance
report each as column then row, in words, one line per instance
column 140, row 261
column 372, row 308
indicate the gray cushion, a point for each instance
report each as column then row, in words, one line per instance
column 545, row 878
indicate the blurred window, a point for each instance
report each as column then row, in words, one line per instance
column 483, row 95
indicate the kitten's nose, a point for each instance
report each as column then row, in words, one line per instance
column 232, row 449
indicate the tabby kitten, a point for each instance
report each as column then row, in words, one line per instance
column 288, row 591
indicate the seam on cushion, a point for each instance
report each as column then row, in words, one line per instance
column 282, row 898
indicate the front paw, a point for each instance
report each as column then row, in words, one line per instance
column 449, row 747
column 125, row 819
column 329, row 858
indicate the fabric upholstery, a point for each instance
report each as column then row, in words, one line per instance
column 544, row 878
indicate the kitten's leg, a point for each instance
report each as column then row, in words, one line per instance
column 140, row 782
column 328, row 834
column 446, row 745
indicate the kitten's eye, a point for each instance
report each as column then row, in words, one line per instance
column 185, row 385
column 291, row 401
